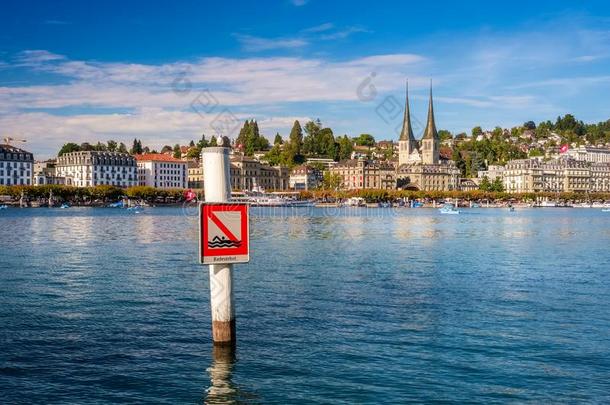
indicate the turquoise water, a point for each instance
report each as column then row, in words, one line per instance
column 336, row 306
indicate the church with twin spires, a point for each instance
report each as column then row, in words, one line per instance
column 420, row 166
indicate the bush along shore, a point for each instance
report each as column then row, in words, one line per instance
column 379, row 196
column 98, row 196
column 101, row 196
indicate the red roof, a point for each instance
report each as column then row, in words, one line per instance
column 157, row 157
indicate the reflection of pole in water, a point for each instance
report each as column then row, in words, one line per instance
column 221, row 389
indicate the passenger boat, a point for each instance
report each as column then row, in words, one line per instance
column 259, row 198
column 275, row 201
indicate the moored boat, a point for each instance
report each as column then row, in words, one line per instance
column 449, row 209
column 547, row 204
column 355, row 202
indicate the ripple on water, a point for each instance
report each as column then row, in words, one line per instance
column 353, row 306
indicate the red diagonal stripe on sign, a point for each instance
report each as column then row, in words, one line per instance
column 221, row 226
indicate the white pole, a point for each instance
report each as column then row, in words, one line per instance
column 217, row 188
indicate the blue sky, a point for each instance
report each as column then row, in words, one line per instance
column 167, row 71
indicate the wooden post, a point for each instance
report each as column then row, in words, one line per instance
column 217, row 188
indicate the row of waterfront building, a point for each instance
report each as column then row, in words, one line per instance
column 95, row 168
column 419, row 166
column 584, row 170
column 563, row 174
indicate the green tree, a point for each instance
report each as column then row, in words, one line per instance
column 274, row 156
column 278, row 139
column 443, row 135
column 122, row 148
column 311, row 144
column 243, row 134
column 327, row 143
column 529, row 125
column 100, row 147
column 332, row 181
column 213, row 141
column 86, row 146
column 476, row 131
column 345, row 148
column 69, row 148
column 497, row 185
column 485, row 184
column 296, row 138
column 203, row 143
column 193, row 153
column 136, row 149
column 456, row 156
column 112, row 146
column 177, row 152
column 365, row 140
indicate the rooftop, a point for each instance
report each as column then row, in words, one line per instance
column 157, row 157
column 11, row 149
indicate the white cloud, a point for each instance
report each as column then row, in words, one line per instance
column 46, row 132
column 255, row 44
column 299, row 3
column 36, row 56
column 319, row 28
column 175, row 102
column 342, row 34
column 232, row 82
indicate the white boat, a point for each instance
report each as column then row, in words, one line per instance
column 3, row 207
column 355, row 202
column 449, row 209
column 273, row 201
column 258, row 198
column 64, row 206
column 547, row 204
column 606, row 210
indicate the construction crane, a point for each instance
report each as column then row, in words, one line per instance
column 9, row 139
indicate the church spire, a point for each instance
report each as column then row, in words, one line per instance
column 407, row 132
column 430, row 132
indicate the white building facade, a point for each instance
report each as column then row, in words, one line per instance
column 305, row 178
column 592, row 154
column 492, row 172
column 97, row 168
column 16, row 166
column 560, row 175
column 162, row 171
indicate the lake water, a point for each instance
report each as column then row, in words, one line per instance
column 336, row 306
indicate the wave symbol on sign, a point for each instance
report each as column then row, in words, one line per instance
column 223, row 242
